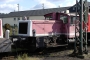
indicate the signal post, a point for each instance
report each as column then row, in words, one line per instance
column 80, row 46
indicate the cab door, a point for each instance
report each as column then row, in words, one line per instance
column 65, row 24
column 72, row 27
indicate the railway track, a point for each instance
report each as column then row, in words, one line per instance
column 38, row 52
column 46, row 52
column 5, row 50
column 57, row 52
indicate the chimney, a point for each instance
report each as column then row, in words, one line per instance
column 67, row 11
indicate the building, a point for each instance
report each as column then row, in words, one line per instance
column 13, row 17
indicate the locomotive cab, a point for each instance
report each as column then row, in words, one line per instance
column 67, row 26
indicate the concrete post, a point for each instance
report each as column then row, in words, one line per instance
column 7, row 34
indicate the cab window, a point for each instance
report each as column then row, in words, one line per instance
column 64, row 18
column 49, row 18
column 73, row 19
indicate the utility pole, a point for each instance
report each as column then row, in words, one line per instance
column 43, row 5
column 18, row 7
column 80, row 46
column 59, row 6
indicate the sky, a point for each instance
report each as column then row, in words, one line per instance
column 7, row 6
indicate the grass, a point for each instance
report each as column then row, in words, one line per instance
column 21, row 57
column 26, row 57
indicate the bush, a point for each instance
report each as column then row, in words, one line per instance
column 7, row 26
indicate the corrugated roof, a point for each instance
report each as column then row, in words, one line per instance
column 39, row 12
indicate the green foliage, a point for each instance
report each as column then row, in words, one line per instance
column 7, row 26
column 23, row 57
column 26, row 57
column 11, row 30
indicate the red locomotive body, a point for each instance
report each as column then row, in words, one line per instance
column 67, row 25
column 58, row 29
column 88, row 24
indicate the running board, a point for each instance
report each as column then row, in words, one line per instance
column 56, row 45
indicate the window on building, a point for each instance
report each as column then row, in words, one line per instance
column 74, row 7
column 18, row 18
column 14, row 19
column 78, row 8
column 27, row 18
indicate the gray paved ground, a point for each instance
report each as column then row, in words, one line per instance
column 64, row 55
column 5, row 45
